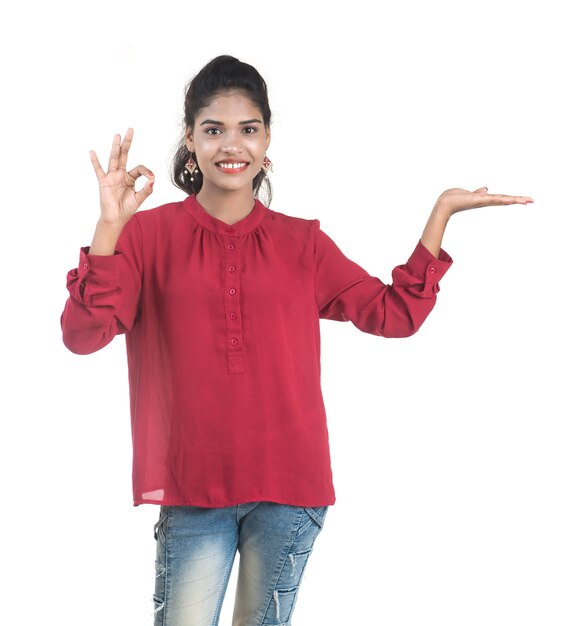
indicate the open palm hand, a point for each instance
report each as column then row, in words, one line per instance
column 455, row 200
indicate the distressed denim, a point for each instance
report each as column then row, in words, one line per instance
column 196, row 548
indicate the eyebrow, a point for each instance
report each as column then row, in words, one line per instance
column 216, row 123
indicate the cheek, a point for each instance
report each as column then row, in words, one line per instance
column 204, row 151
column 257, row 146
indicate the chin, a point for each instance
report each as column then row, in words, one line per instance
column 231, row 185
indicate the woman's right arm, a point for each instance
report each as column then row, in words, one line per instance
column 104, row 290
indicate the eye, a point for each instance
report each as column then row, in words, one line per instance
column 248, row 130
column 211, row 131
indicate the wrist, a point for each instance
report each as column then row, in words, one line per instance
column 110, row 226
column 105, row 237
column 442, row 211
column 432, row 236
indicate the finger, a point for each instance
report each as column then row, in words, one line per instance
column 144, row 192
column 481, row 189
column 523, row 200
column 125, row 148
column 96, row 165
column 115, row 154
column 503, row 199
column 138, row 171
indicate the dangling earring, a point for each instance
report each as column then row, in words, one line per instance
column 191, row 167
column 267, row 164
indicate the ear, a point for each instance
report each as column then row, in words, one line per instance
column 189, row 139
column 268, row 137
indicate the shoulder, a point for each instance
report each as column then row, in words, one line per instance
column 154, row 217
column 291, row 223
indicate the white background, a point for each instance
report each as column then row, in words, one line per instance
column 457, row 453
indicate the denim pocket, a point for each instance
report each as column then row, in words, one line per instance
column 315, row 516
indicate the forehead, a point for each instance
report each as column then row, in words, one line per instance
column 233, row 105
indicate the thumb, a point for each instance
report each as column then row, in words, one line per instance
column 145, row 191
column 481, row 189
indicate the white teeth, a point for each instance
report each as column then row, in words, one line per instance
column 231, row 165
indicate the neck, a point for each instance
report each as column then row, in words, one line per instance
column 227, row 206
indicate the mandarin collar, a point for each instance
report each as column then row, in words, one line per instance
column 215, row 225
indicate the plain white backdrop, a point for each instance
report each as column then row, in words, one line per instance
column 457, row 453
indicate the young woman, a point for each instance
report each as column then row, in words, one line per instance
column 220, row 299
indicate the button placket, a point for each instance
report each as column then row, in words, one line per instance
column 232, row 305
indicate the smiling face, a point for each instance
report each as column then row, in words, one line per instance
column 229, row 140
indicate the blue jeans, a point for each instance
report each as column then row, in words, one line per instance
column 195, row 550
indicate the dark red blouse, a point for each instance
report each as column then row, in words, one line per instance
column 223, row 344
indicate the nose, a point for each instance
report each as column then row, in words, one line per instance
column 231, row 144
column 230, row 148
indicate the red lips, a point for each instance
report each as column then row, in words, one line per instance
column 231, row 170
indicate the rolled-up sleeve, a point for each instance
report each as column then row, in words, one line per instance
column 104, row 294
column 346, row 292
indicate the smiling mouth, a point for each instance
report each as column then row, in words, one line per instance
column 232, row 168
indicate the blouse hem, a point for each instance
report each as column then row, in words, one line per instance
column 234, row 503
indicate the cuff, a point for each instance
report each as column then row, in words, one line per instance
column 103, row 267
column 425, row 266
column 423, row 263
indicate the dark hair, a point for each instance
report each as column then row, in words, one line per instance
column 223, row 73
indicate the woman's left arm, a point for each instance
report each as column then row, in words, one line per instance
column 452, row 201
column 346, row 292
